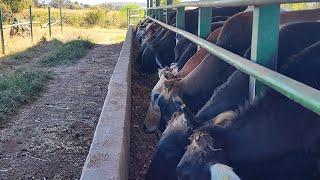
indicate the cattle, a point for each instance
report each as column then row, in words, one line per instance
column 160, row 53
column 165, row 56
column 273, row 129
column 226, row 98
column 153, row 113
column 292, row 39
column 195, row 89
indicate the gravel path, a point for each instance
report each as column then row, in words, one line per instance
column 50, row 138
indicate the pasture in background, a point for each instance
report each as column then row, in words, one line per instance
column 101, row 25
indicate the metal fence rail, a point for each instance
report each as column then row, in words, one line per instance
column 30, row 23
column 265, row 35
column 228, row 3
column 135, row 16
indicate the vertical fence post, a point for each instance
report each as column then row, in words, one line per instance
column 159, row 12
column 129, row 14
column 151, row 11
column 264, row 46
column 61, row 20
column 1, row 32
column 148, row 5
column 49, row 18
column 31, row 24
column 205, row 16
column 180, row 21
column 169, row 12
column 128, row 17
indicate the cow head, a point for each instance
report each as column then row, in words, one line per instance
column 170, row 149
column 171, row 88
column 201, row 154
column 153, row 115
column 172, row 145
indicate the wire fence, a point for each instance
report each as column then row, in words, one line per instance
column 26, row 28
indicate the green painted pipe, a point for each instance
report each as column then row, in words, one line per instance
column 298, row 92
column 180, row 20
column 230, row 3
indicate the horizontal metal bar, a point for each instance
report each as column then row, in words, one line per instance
column 229, row 3
column 135, row 17
column 298, row 92
column 20, row 24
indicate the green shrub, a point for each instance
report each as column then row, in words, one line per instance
column 94, row 17
column 18, row 88
column 69, row 53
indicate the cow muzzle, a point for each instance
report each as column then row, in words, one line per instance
column 151, row 122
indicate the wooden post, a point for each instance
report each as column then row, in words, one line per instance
column 180, row 21
column 31, row 24
column 61, row 20
column 169, row 12
column 264, row 46
column 204, row 26
column 127, row 17
column 49, row 21
column 1, row 32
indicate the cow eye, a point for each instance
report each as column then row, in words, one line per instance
column 156, row 96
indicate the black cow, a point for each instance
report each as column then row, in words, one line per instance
column 185, row 49
column 272, row 130
column 292, row 39
column 196, row 88
column 225, row 98
column 160, row 53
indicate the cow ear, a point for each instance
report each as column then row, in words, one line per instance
column 224, row 119
column 168, row 85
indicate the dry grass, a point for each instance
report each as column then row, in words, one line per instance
column 96, row 35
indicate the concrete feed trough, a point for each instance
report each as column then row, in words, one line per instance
column 109, row 152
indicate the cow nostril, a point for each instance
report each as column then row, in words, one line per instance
column 144, row 128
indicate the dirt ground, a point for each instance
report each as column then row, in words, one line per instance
column 50, row 138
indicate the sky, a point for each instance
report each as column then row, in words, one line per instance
column 106, row 1
column 92, row 2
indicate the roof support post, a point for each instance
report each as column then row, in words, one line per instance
column 264, row 46
column 159, row 12
column 169, row 12
column 180, row 20
column 204, row 26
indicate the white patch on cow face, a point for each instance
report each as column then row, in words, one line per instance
column 222, row 172
column 179, row 122
column 157, row 89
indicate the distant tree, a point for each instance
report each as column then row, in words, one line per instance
column 18, row 5
column 57, row 3
column 165, row 1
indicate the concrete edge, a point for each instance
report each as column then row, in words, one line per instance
column 108, row 157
